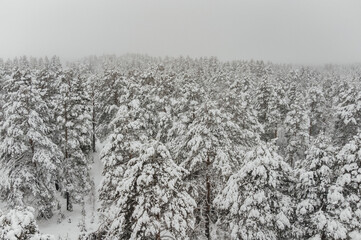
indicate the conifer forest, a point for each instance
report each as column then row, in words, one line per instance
column 139, row 147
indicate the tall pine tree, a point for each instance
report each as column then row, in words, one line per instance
column 31, row 157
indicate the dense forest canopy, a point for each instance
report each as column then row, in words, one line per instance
column 195, row 148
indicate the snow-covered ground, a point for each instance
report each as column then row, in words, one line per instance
column 70, row 226
column 2, row 205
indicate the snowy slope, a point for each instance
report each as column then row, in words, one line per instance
column 70, row 225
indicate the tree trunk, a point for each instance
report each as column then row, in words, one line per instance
column 323, row 236
column 32, row 145
column 208, row 204
column 310, row 132
column 69, row 206
column 67, row 194
column 66, row 131
column 93, row 120
column 157, row 237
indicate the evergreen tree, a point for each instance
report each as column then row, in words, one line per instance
column 152, row 200
column 210, row 151
column 316, row 174
column 344, row 194
column 74, row 134
column 319, row 118
column 184, row 108
column 2, row 94
column 348, row 115
column 268, row 112
column 109, row 99
column 92, row 85
column 30, row 156
column 256, row 197
column 129, row 132
column 297, row 127
column 19, row 223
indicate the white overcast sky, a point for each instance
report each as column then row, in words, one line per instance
column 282, row 31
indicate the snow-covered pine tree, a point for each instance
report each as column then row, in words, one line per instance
column 315, row 218
column 296, row 126
column 163, row 104
column 2, row 93
column 19, row 223
column 89, row 82
column 348, row 115
column 152, row 198
column 256, row 197
column 46, row 77
column 282, row 101
column 123, row 145
column 319, row 116
column 210, row 152
column 23, row 63
column 237, row 100
column 109, row 99
column 128, row 132
column 267, row 109
column 3, row 179
column 183, row 109
column 92, row 89
column 344, row 194
column 30, row 156
column 74, row 136
column 82, row 113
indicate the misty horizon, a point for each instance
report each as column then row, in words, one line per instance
column 286, row 32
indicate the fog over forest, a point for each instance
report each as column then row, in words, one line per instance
column 180, row 120
column 281, row 31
